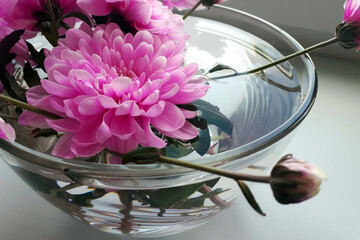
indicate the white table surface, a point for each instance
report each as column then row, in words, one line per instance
column 329, row 137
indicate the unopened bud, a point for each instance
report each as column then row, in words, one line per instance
column 348, row 35
column 348, row 32
column 294, row 180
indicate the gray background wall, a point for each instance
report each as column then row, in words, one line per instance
column 309, row 21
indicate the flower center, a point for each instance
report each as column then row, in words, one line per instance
column 124, row 72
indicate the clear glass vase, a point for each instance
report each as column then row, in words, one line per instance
column 149, row 200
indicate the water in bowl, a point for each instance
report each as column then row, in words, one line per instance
column 256, row 103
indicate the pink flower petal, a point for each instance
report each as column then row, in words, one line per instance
column 90, row 106
column 124, row 108
column 121, row 146
column 187, row 94
column 151, row 99
column 95, row 7
column 170, row 119
column 28, row 118
column 156, row 109
column 169, row 91
column 7, row 132
column 64, row 125
column 122, row 127
column 58, row 89
column 189, row 114
column 86, row 136
column 188, row 131
column 86, row 151
column 103, row 133
column 151, row 139
column 62, row 147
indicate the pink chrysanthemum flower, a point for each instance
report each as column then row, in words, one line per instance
column 352, row 11
column 7, row 9
column 181, row 4
column 115, row 91
column 6, row 131
column 348, row 32
column 188, row 4
column 20, row 48
column 137, row 15
column 29, row 14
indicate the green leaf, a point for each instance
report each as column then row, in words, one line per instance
column 78, row 15
column 31, row 76
column 213, row 116
column 212, row 183
column 37, row 57
column 198, row 122
column 6, row 44
column 142, row 154
column 220, row 67
column 250, row 197
column 199, row 201
column 49, row 32
column 202, row 145
column 177, row 150
column 166, row 198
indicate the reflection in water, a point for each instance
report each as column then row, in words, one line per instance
column 256, row 103
column 219, row 44
column 132, row 211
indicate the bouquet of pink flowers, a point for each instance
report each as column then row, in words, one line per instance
column 112, row 79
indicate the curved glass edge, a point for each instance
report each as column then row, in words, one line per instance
column 224, row 159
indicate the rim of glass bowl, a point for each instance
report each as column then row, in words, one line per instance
column 161, row 170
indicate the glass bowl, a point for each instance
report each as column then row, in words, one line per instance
column 149, row 200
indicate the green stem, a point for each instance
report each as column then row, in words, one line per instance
column 296, row 54
column 192, row 10
column 205, row 189
column 64, row 25
column 54, row 27
column 217, row 171
column 27, row 106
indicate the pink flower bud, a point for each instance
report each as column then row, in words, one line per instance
column 294, row 180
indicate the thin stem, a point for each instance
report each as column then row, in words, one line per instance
column 296, row 54
column 64, row 25
column 54, row 27
column 2, row 115
column 192, row 10
column 217, row 171
column 205, row 189
column 27, row 106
